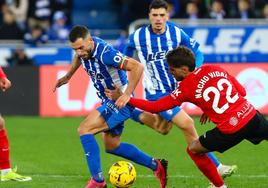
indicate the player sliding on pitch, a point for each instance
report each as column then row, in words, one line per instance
column 219, row 95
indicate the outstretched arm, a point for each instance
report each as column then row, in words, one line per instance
column 4, row 82
column 65, row 79
column 162, row 104
column 2, row 74
column 135, row 70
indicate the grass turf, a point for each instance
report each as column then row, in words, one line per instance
column 48, row 149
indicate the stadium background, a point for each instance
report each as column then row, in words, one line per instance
column 36, row 117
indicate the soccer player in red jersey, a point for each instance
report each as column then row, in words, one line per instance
column 6, row 172
column 221, row 98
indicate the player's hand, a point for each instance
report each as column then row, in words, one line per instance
column 113, row 94
column 4, row 84
column 122, row 100
column 204, row 119
column 64, row 80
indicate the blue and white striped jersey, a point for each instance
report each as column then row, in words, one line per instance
column 152, row 49
column 103, row 67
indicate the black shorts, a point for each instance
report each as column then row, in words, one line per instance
column 254, row 131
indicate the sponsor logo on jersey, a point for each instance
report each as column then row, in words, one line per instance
column 156, row 56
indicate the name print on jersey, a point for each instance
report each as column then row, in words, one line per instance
column 205, row 79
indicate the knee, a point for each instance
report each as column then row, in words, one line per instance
column 193, row 147
column 109, row 147
column 82, row 129
column 2, row 122
column 111, row 143
column 163, row 127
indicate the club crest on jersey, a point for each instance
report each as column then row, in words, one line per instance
column 233, row 121
column 156, row 56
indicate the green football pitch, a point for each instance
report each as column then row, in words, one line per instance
column 48, row 149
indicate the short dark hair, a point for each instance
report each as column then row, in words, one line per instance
column 78, row 31
column 181, row 56
column 156, row 4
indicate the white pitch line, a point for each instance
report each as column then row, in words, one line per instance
column 149, row 176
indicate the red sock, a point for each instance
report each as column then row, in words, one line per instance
column 4, row 150
column 207, row 167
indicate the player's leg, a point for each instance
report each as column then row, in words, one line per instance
column 114, row 146
column 207, row 167
column 198, row 154
column 6, row 172
column 4, row 147
column 154, row 121
column 259, row 124
column 128, row 151
column 186, row 124
column 93, row 124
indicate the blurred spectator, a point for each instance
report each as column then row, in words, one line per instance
column 19, row 9
column 19, row 58
column 59, row 30
column 131, row 10
column 9, row 30
column 36, row 36
column 201, row 5
column 64, row 6
column 217, row 12
column 265, row 11
column 192, row 11
column 121, row 42
column 2, row 4
column 244, row 11
column 173, row 8
column 40, row 13
column 258, row 7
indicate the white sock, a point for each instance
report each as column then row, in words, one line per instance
column 219, row 166
column 5, row 171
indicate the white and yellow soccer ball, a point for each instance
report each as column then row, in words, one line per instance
column 122, row 174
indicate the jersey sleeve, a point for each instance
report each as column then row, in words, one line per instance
column 114, row 58
column 194, row 46
column 162, row 104
column 130, row 47
column 2, row 74
column 241, row 90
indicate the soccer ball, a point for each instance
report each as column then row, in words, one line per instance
column 122, row 174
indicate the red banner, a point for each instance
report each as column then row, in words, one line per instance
column 78, row 97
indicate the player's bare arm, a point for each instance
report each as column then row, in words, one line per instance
column 65, row 79
column 4, row 84
column 135, row 71
column 113, row 94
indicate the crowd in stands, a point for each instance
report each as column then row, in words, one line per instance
column 35, row 21
column 38, row 21
column 196, row 9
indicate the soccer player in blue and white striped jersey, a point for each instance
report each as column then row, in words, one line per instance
column 107, row 68
column 152, row 42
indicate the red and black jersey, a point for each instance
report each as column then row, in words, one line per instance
column 216, row 92
column 2, row 74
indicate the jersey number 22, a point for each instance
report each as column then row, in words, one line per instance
column 216, row 99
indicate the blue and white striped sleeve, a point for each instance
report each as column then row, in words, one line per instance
column 194, row 46
column 130, row 47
